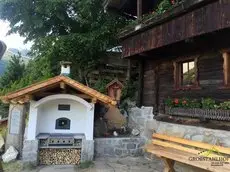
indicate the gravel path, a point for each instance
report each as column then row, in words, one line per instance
column 128, row 164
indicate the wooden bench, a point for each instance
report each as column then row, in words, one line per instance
column 171, row 149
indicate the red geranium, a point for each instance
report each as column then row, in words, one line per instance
column 176, row 101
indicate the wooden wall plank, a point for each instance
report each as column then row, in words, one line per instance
column 210, row 74
column 210, row 18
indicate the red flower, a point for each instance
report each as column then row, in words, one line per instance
column 176, row 101
column 173, row 2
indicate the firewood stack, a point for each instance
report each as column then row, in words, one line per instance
column 59, row 156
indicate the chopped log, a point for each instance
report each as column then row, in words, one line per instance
column 59, row 156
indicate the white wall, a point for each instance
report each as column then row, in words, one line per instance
column 32, row 123
column 81, row 118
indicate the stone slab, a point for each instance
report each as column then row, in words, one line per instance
column 16, row 127
column 87, row 152
column 119, row 147
column 30, row 152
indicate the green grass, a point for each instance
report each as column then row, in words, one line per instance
column 15, row 166
column 84, row 165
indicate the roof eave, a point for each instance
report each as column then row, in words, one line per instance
column 78, row 86
column 177, row 11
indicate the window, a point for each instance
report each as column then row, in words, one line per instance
column 226, row 56
column 185, row 73
column 64, row 107
column 62, row 124
column 188, row 73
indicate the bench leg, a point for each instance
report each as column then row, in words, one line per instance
column 168, row 165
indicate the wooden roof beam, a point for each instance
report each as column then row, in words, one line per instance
column 84, row 96
column 94, row 100
column 62, row 85
column 139, row 10
column 13, row 101
column 22, row 100
column 44, row 86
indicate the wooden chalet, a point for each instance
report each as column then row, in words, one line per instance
column 184, row 73
column 182, row 53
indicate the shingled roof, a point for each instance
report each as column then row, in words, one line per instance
column 30, row 90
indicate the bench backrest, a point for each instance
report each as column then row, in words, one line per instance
column 184, row 144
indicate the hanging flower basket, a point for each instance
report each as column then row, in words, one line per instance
column 214, row 114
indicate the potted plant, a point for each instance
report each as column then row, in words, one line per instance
column 207, row 108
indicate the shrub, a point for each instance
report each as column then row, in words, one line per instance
column 195, row 104
column 208, row 103
column 169, row 102
column 163, row 6
column 225, row 105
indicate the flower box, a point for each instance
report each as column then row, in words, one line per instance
column 214, row 114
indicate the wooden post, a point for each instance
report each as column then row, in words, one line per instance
column 16, row 127
column 156, row 89
column 62, row 85
column 226, row 68
column 168, row 165
column 140, row 83
column 94, row 100
column 129, row 70
column 139, row 10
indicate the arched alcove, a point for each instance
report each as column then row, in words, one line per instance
column 62, row 96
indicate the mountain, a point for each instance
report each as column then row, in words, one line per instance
column 3, row 65
column 24, row 52
column 7, row 56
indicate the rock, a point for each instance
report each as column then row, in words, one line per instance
column 135, row 132
column 10, row 155
column 118, row 152
column 147, row 111
column 130, row 103
column 115, row 133
column 198, row 138
column 131, row 146
column 123, row 129
column 211, row 139
column 2, row 142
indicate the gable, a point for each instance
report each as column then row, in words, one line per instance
column 56, row 85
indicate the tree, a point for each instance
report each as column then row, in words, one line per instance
column 18, row 75
column 36, row 70
column 13, row 72
column 74, row 30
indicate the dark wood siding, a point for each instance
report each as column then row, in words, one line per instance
column 209, row 18
column 149, row 83
column 210, row 77
column 166, row 81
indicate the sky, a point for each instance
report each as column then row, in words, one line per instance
column 12, row 40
